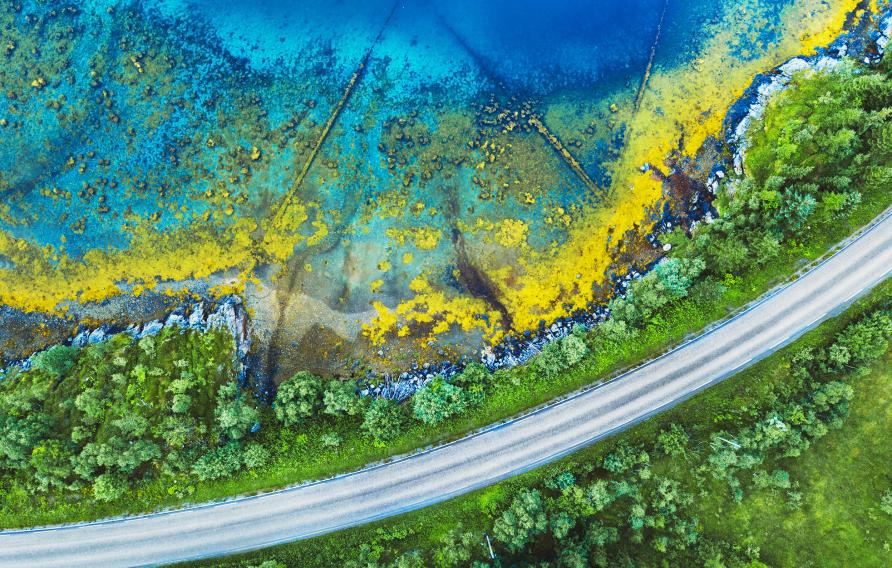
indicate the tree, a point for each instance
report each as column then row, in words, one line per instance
column 673, row 441
column 19, row 435
column 255, row 455
column 886, row 502
column 235, row 414
column 524, row 519
column 339, row 398
column 383, row 419
column 455, row 548
column 298, row 398
column 52, row 464
column 330, row 439
column 574, row 349
column 474, row 379
column 437, row 401
column 109, row 487
column 218, row 462
column 550, row 360
column 57, row 360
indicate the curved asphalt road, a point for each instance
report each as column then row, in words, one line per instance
column 472, row 462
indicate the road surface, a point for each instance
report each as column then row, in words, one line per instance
column 476, row 461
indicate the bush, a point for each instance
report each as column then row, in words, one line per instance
column 383, row 420
column 474, row 379
column 331, row 439
column 109, row 487
column 673, row 441
column 219, row 462
column 560, row 355
column 298, row 398
column 522, row 521
column 340, row 399
column 235, row 413
column 255, row 456
column 57, row 360
column 437, row 401
column 886, row 502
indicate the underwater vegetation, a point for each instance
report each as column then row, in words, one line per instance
column 374, row 178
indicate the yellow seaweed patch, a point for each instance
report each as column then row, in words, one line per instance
column 435, row 310
column 424, row 238
column 511, row 232
column 42, row 279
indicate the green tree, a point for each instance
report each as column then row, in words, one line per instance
column 235, row 413
column 298, row 399
column 383, row 420
column 454, row 548
column 109, row 487
column 57, row 360
column 673, row 441
column 886, row 502
column 255, row 455
column 339, row 398
column 218, row 462
column 524, row 519
column 473, row 379
column 437, row 401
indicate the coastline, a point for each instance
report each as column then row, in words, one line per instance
column 520, row 346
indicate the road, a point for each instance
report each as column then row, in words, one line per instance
column 476, row 461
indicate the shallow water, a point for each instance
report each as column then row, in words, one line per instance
column 368, row 173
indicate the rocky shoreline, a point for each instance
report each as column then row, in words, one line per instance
column 226, row 313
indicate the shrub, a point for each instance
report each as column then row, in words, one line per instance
column 673, row 441
column 219, row 462
column 437, row 401
column 339, row 398
column 57, row 360
column 522, row 521
column 330, row 439
column 886, row 502
column 235, row 413
column 255, row 455
column 474, row 379
column 109, row 487
column 383, row 420
column 298, row 398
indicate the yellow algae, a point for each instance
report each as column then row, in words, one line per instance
column 381, row 324
column 43, row 278
column 432, row 308
column 319, row 235
column 281, row 234
column 424, row 238
column 511, row 232
column 680, row 104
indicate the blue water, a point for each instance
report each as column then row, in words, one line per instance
column 456, row 52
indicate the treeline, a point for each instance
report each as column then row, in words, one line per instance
column 94, row 422
column 629, row 508
column 822, row 146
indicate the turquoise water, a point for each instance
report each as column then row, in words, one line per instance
column 429, row 56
